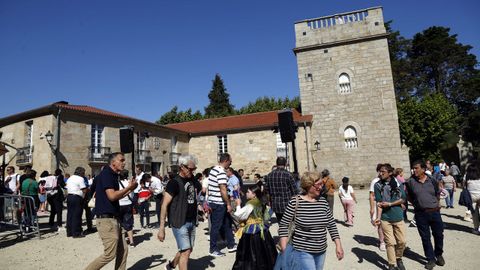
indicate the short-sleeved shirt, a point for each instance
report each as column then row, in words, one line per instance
column 29, row 187
column 232, row 182
column 346, row 194
column 107, row 179
column 448, row 182
column 75, row 185
column 423, row 194
column 12, row 184
column 385, row 193
column 127, row 200
column 216, row 178
column 191, row 187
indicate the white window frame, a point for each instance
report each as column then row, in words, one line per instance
column 222, row 144
column 351, row 137
column 344, row 83
column 281, row 146
column 29, row 139
column 97, row 139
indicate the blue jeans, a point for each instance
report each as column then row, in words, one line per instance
column 220, row 220
column 302, row 260
column 449, row 199
column 184, row 236
column 425, row 222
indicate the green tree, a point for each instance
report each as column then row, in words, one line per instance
column 175, row 116
column 427, row 124
column 443, row 65
column 401, row 68
column 264, row 104
column 219, row 100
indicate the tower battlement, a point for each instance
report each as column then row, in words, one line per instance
column 339, row 28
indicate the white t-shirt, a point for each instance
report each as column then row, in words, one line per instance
column 346, row 194
column 127, row 199
column 372, row 184
column 75, row 184
column 12, row 185
column 138, row 178
column 156, row 185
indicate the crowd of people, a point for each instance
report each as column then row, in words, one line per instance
column 302, row 206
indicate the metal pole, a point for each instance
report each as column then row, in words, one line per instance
column 294, row 155
column 133, row 154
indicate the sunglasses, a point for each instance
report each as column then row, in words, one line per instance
column 190, row 169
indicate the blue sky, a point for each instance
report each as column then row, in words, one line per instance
column 140, row 58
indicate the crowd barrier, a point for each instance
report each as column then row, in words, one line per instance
column 19, row 213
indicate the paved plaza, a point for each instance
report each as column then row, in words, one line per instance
column 55, row 251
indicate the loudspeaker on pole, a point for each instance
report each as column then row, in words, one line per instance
column 286, row 125
column 126, row 139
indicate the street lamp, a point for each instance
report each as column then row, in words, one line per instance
column 49, row 137
column 317, row 145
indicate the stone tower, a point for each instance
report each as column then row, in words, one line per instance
column 346, row 83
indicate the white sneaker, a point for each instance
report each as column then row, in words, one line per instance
column 382, row 247
column 233, row 249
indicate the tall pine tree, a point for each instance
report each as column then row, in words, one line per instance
column 219, row 100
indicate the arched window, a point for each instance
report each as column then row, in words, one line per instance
column 350, row 135
column 344, row 83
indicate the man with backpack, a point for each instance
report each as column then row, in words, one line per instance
column 424, row 193
column 390, row 195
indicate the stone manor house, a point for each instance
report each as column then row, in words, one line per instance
column 348, row 123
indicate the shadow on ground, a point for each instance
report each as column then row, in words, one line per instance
column 139, row 238
column 148, row 262
column 366, row 240
column 201, row 263
column 371, row 257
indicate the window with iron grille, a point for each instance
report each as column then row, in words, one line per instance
column 222, row 144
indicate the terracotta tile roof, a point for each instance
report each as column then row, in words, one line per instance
column 65, row 106
column 89, row 109
column 262, row 120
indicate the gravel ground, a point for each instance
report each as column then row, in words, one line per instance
column 55, row 251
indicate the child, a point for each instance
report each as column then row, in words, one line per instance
column 143, row 196
column 42, row 195
column 348, row 199
column 256, row 249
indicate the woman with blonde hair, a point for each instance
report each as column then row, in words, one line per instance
column 312, row 218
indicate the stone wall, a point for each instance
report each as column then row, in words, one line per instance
column 75, row 141
column 42, row 155
column 253, row 151
column 370, row 107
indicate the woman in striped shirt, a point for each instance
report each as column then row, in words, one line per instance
column 312, row 221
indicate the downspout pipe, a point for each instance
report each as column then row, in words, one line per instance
column 306, row 146
column 57, row 136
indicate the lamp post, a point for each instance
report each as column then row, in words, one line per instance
column 49, row 138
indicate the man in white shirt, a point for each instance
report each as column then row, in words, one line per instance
column 126, row 215
column 76, row 191
column 12, row 180
column 373, row 209
column 156, row 187
column 138, row 176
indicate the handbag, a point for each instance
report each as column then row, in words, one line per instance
column 466, row 199
column 91, row 203
column 284, row 258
